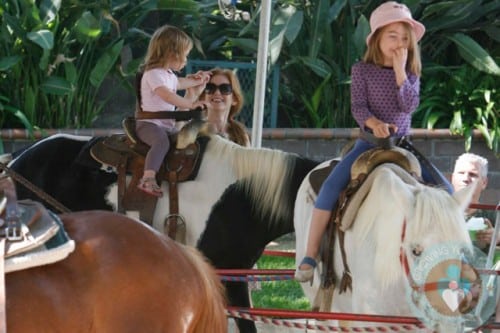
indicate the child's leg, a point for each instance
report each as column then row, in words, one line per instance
column 328, row 195
column 157, row 138
column 319, row 221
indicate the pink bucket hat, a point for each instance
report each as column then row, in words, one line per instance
column 390, row 12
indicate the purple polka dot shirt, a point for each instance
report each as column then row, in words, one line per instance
column 374, row 93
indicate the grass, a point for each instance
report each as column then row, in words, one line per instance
column 286, row 294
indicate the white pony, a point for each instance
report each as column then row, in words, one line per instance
column 398, row 215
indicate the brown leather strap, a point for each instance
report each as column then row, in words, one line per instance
column 154, row 115
column 346, row 280
column 328, row 274
column 173, row 196
column 177, row 115
column 122, row 174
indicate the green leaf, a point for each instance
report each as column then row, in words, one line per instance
column 318, row 66
column 245, row 43
column 15, row 26
column 71, row 72
column 178, row 5
column 22, row 118
column 105, row 63
column 319, row 25
column 49, row 10
column 43, row 38
column 9, row 62
column 275, row 45
column 44, row 60
column 30, row 102
column 360, row 33
column 335, row 10
column 433, row 119
column 56, row 85
column 87, row 27
column 294, row 26
column 474, row 54
column 456, row 125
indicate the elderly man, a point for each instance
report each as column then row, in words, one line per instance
column 468, row 169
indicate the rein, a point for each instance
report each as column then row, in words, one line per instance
column 35, row 189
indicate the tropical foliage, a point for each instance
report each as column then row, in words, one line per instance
column 56, row 54
column 316, row 43
column 60, row 52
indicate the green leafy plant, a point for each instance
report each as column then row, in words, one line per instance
column 60, row 52
column 461, row 99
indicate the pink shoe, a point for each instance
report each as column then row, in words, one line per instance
column 148, row 185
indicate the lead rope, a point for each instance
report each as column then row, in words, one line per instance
column 35, row 189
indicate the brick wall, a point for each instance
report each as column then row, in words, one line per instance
column 321, row 144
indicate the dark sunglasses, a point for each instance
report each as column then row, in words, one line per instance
column 225, row 88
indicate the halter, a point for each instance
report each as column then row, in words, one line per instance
column 465, row 305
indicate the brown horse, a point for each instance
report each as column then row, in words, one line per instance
column 122, row 277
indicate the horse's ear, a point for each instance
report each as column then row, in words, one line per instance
column 464, row 196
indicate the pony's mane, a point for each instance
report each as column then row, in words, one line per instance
column 263, row 173
column 428, row 213
column 436, row 210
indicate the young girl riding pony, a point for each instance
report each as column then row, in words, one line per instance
column 384, row 94
column 167, row 53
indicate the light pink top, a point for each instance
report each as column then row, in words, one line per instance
column 151, row 102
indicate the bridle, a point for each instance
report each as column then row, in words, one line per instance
column 440, row 285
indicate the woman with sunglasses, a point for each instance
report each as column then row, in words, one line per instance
column 224, row 99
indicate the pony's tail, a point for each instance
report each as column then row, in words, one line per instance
column 212, row 317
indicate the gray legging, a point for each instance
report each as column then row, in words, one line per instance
column 157, row 138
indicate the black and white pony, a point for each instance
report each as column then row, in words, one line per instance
column 241, row 199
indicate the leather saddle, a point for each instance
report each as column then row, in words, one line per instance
column 126, row 154
column 30, row 235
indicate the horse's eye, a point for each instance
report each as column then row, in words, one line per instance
column 417, row 250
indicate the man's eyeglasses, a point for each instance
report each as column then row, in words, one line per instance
column 225, row 88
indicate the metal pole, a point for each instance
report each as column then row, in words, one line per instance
column 260, row 79
column 493, row 244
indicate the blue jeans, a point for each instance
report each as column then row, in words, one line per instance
column 339, row 178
